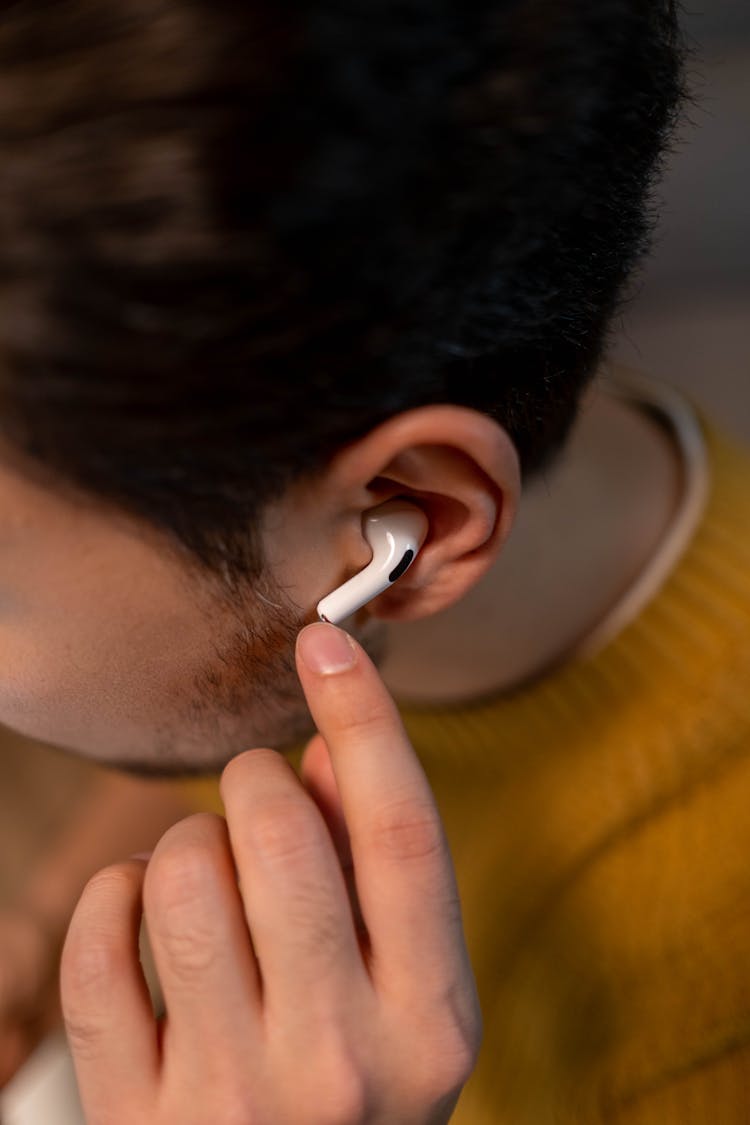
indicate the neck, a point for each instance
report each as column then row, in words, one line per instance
column 584, row 532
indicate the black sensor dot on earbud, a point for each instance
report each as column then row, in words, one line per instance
column 399, row 570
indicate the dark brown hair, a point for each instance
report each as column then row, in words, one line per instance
column 236, row 235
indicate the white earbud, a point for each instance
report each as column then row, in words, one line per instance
column 396, row 531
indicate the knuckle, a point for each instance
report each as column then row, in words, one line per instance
column 191, row 951
column 235, row 772
column 83, row 1036
column 196, row 834
column 369, row 719
column 107, row 884
column 283, row 830
column 457, row 1059
column 407, row 830
column 92, row 958
column 92, row 955
column 87, row 967
column 451, row 1052
column 337, row 1086
column 177, row 882
column 441, row 1074
column 178, row 874
column 85, row 975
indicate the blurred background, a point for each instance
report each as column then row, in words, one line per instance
column 689, row 322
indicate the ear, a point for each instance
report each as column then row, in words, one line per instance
column 462, row 469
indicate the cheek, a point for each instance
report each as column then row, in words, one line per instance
column 62, row 678
column 47, row 674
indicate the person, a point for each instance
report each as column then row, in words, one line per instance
column 266, row 269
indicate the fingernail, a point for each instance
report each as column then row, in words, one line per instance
column 141, row 855
column 326, row 649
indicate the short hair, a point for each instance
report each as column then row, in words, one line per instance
column 236, row 236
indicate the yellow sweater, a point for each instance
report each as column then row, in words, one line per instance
column 599, row 821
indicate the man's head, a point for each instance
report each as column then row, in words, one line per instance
column 263, row 267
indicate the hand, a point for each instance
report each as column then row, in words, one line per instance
column 29, row 1002
column 309, row 947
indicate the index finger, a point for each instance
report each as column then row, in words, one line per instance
column 404, row 873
